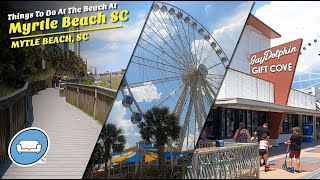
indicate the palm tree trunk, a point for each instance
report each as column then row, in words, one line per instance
column 106, row 159
column 160, row 157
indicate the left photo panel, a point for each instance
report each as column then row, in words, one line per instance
column 61, row 65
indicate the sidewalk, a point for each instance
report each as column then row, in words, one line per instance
column 309, row 169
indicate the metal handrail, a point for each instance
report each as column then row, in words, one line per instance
column 234, row 161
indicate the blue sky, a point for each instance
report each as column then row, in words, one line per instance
column 113, row 54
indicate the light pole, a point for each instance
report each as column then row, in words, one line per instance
column 110, row 80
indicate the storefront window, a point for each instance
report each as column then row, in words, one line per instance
column 230, row 121
column 255, row 120
column 306, row 119
column 231, row 118
column 223, row 123
column 289, row 122
column 249, row 122
column 318, row 128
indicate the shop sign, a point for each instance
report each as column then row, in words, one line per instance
column 277, row 65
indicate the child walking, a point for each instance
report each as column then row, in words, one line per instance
column 295, row 148
column 264, row 146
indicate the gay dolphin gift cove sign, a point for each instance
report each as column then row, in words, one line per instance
column 277, row 65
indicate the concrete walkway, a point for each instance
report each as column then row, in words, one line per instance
column 72, row 134
column 310, row 166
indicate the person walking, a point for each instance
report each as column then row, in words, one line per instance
column 54, row 80
column 264, row 146
column 295, row 148
column 242, row 135
column 260, row 131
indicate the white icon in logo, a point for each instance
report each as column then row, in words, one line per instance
column 29, row 146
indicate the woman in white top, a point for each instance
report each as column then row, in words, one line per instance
column 264, row 146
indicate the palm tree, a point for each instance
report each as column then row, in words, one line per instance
column 159, row 127
column 96, row 159
column 111, row 138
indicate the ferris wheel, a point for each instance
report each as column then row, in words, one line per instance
column 308, row 68
column 177, row 62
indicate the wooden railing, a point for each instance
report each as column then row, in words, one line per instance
column 95, row 101
column 14, row 110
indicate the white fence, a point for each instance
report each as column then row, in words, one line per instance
column 240, row 85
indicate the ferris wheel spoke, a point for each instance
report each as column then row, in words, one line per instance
column 210, row 53
column 157, row 64
column 147, row 65
column 177, row 54
column 314, row 79
column 208, row 95
column 195, row 45
column 164, row 25
column 158, row 33
column 311, row 86
column 174, row 52
column 215, row 76
column 213, row 80
column 215, row 65
column 181, row 101
column 171, row 94
column 197, row 110
column 185, row 124
column 154, row 81
column 190, row 46
column 188, row 57
column 210, row 88
column 164, row 52
column 188, row 42
column 202, row 48
column 201, row 103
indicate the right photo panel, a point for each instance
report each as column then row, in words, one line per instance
column 172, row 81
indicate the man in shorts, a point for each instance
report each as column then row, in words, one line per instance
column 295, row 148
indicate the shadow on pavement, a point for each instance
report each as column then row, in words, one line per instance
column 281, row 149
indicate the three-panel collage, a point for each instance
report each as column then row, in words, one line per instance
column 159, row 90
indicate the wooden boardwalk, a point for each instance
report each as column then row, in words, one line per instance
column 72, row 134
column 310, row 166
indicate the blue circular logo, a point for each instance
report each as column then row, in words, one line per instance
column 28, row 147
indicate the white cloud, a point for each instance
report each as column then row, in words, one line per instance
column 229, row 31
column 294, row 20
column 112, row 46
column 146, row 93
column 127, row 33
column 99, row 58
column 118, row 116
column 208, row 9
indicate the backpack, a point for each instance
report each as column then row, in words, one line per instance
column 242, row 138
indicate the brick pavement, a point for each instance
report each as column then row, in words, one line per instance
column 310, row 165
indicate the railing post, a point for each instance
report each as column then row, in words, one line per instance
column 78, row 94
column 95, row 103
column 195, row 165
column 10, row 122
column 26, row 108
